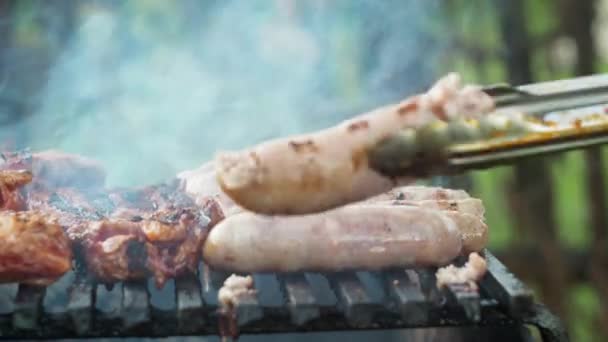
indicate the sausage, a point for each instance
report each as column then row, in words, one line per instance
column 323, row 170
column 467, row 213
column 370, row 236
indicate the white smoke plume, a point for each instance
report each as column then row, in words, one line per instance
column 156, row 92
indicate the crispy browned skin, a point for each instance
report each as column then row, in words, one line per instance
column 33, row 249
column 326, row 169
column 11, row 182
column 119, row 234
column 165, row 245
column 131, row 234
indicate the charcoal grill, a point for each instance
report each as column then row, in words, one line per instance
column 75, row 307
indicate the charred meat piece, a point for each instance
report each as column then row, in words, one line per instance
column 33, row 249
column 114, row 250
column 173, row 241
column 11, row 182
column 73, row 209
column 129, row 234
column 164, row 246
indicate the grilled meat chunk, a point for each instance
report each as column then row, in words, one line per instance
column 323, row 170
column 33, row 249
column 472, row 272
column 118, row 249
column 11, row 182
column 129, row 234
column 235, row 287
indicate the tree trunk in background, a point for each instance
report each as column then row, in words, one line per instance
column 577, row 18
column 531, row 192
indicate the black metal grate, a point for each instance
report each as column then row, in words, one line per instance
column 74, row 307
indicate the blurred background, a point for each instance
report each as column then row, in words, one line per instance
column 154, row 87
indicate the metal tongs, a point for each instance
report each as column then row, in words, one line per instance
column 561, row 101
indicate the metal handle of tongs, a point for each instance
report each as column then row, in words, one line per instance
column 534, row 100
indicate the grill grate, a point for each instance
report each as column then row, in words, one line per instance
column 397, row 298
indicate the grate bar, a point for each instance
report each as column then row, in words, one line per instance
column 404, row 287
column 211, row 282
column 108, row 302
column 56, row 298
column 466, row 298
column 27, row 307
column 322, row 291
column 135, row 306
column 163, row 306
column 80, row 305
column 190, row 312
column 506, row 288
column 8, row 295
column 359, row 308
column 300, row 298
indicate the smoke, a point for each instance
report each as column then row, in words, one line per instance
column 152, row 88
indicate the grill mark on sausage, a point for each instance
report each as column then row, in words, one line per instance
column 441, row 195
column 359, row 125
column 439, row 112
column 408, row 107
column 312, row 175
column 256, row 158
column 303, row 146
column 358, row 159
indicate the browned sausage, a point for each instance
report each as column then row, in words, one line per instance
column 323, row 170
column 369, row 236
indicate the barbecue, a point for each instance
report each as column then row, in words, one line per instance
column 75, row 307
column 105, row 296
